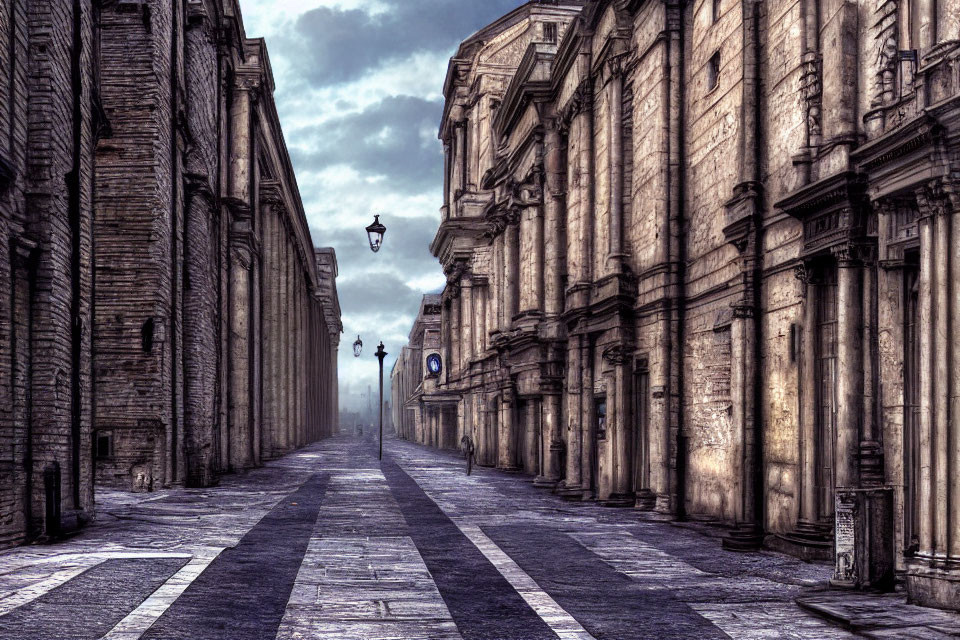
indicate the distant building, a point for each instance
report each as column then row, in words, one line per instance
column 422, row 412
column 702, row 258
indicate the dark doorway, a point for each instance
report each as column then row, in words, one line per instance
column 826, row 372
column 641, row 433
column 911, row 400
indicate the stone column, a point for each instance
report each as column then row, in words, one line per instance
column 240, row 137
column 531, row 258
column 511, row 270
column 941, row 378
column 446, row 337
column 927, row 17
column 572, row 484
column 615, row 255
column 809, row 513
column 954, row 367
column 507, row 455
column 849, row 370
column 497, row 285
column 241, row 452
column 553, row 221
column 926, row 440
column 466, row 330
column 456, row 337
column 551, row 444
column 586, row 189
column 288, row 377
column 871, row 453
column 619, row 430
column 587, row 426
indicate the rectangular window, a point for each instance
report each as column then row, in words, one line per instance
column 550, row 32
column 104, row 445
column 713, row 72
column 601, row 405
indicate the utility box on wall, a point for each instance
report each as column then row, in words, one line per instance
column 863, row 540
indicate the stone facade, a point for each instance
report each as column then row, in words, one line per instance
column 420, row 410
column 164, row 316
column 701, row 258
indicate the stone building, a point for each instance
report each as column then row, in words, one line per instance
column 421, row 410
column 164, row 316
column 702, row 258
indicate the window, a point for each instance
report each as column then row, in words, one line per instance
column 713, row 72
column 715, row 15
column 550, row 32
column 601, row 417
column 104, row 445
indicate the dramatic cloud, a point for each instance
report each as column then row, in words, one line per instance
column 394, row 140
column 338, row 45
column 359, row 92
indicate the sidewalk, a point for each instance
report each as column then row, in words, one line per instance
column 881, row 616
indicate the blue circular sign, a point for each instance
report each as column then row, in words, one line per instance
column 434, row 364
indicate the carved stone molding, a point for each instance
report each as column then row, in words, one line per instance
column 884, row 83
column 811, row 88
column 834, row 212
column 617, row 355
column 580, row 102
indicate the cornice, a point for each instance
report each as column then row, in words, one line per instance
column 897, row 143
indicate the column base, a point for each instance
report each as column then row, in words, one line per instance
column 510, row 469
column 620, row 500
column 571, row 493
column 810, row 541
column 542, row 482
column 746, row 536
column 646, row 500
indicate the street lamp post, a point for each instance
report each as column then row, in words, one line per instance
column 381, row 354
column 357, row 347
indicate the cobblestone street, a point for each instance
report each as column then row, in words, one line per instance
column 327, row 543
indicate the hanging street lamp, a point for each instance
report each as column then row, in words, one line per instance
column 381, row 354
column 357, row 347
column 375, row 234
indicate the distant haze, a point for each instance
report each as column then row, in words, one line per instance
column 359, row 92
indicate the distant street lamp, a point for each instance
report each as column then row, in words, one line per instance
column 357, row 347
column 375, row 234
column 381, row 354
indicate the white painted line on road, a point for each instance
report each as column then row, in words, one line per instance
column 27, row 595
column 87, row 561
column 143, row 617
column 562, row 623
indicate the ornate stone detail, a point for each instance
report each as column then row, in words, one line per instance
column 617, row 355
column 934, row 200
column 581, row 101
column 884, row 85
column 811, row 88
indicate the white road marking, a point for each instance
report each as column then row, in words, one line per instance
column 87, row 561
column 562, row 623
column 143, row 617
column 27, row 595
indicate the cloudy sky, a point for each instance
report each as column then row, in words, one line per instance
column 359, row 92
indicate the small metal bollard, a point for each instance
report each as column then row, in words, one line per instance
column 51, row 491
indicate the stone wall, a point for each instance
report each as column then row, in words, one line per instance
column 149, row 212
column 722, row 237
